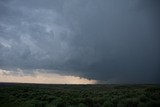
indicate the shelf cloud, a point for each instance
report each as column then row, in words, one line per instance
column 113, row 41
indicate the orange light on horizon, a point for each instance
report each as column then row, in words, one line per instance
column 41, row 77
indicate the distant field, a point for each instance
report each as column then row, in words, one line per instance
column 39, row 95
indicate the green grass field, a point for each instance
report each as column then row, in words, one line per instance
column 39, row 95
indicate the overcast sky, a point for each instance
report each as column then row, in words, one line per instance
column 108, row 40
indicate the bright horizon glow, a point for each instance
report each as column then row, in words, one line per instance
column 44, row 78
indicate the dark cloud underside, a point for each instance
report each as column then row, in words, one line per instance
column 103, row 40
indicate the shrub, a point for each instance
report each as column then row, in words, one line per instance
column 121, row 104
column 82, row 105
column 108, row 104
column 141, row 104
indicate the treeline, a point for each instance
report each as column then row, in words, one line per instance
column 32, row 95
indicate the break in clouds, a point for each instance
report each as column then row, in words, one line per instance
column 115, row 41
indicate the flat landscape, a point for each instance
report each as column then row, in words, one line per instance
column 42, row 95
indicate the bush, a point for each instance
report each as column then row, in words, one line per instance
column 141, row 104
column 82, row 105
column 60, row 103
column 129, row 102
column 121, row 104
column 108, row 104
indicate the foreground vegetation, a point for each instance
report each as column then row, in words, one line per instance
column 38, row 95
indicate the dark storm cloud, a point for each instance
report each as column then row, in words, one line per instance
column 104, row 40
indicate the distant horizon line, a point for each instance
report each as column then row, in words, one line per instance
column 80, row 84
